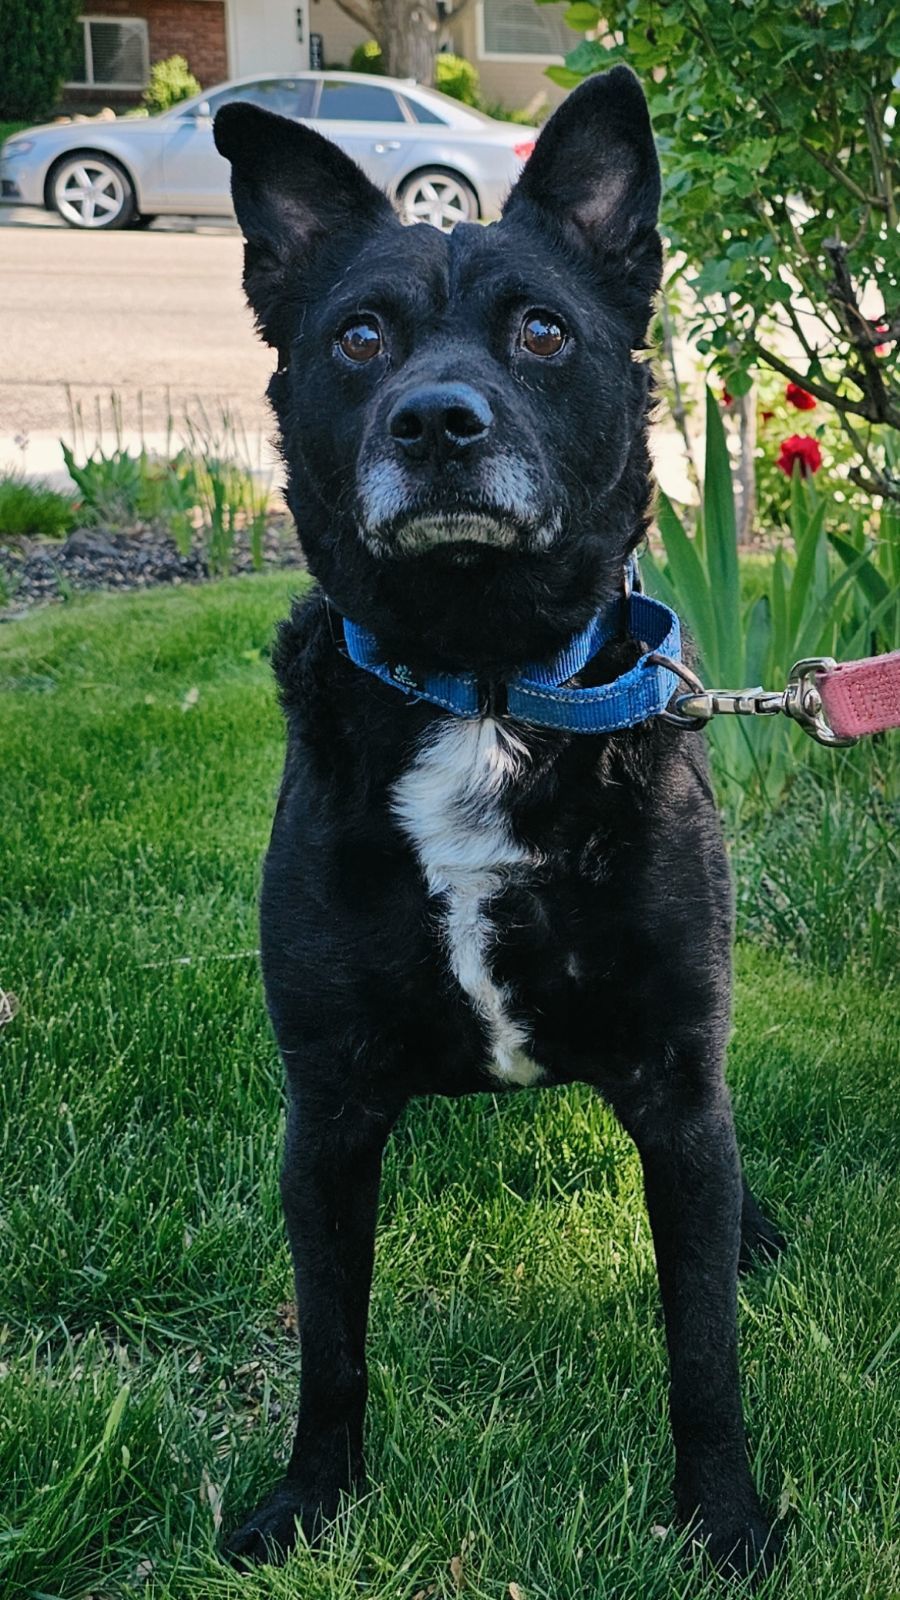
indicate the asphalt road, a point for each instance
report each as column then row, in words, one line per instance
column 158, row 318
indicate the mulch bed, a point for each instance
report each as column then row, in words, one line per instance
column 37, row 571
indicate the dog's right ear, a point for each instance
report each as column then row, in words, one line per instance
column 291, row 188
column 594, row 177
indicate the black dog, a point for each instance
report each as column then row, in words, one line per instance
column 451, row 905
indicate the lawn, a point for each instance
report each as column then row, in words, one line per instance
column 517, row 1432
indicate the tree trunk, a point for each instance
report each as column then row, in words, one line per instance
column 746, row 475
column 407, row 31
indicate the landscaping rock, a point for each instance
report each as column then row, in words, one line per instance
column 35, row 571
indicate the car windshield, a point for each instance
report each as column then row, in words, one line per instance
column 445, row 103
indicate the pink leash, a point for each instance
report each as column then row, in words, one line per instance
column 861, row 696
column 834, row 704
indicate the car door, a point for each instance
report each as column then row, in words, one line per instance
column 196, row 178
column 368, row 121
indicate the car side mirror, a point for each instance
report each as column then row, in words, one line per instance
column 200, row 111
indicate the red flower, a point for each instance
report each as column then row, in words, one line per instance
column 798, row 397
column 802, row 450
column 727, row 399
column 767, row 415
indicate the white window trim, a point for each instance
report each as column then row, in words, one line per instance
column 504, row 55
column 84, row 20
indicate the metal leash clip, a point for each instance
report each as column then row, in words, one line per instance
column 800, row 700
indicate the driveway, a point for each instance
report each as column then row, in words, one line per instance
column 157, row 318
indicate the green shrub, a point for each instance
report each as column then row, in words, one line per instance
column 9, row 129
column 28, row 507
column 204, row 494
column 777, row 136
column 457, row 77
column 170, row 82
column 819, row 874
column 524, row 115
column 367, row 57
column 40, row 38
column 823, row 594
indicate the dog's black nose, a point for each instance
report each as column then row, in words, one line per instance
column 440, row 420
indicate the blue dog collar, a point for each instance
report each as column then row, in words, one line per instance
column 538, row 694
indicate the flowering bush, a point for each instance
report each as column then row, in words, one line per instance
column 779, row 148
column 800, row 398
column 801, row 450
column 171, row 81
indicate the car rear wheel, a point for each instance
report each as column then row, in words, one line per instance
column 441, row 198
column 92, row 192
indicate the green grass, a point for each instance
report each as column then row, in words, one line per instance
column 518, row 1374
column 28, row 506
column 7, row 129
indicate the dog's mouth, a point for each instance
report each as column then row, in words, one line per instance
column 461, row 535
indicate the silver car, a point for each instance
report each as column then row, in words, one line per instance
column 440, row 160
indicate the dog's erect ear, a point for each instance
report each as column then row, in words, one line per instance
column 595, row 173
column 291, row 189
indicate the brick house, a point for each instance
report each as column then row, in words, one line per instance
column 510, row 41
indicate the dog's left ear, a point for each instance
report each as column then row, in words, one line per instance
column 594, row 174
column 292, row 191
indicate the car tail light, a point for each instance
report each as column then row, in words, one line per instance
column 523, row 151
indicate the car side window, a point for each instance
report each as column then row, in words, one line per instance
column 289, row 97
column 358, row 102
column 423, row 113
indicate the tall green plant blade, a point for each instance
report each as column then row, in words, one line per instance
column 758, row 646
column 873, row 585
column 657, row 581
column 779, row 661
column 721, row 546
column 832, row 618
column 807, row 532
column 860, row 643
column 691, row 586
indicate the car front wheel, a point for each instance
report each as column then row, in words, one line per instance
column 441, row 198
column 91, row 191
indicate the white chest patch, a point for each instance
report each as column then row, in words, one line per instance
column 450, row 804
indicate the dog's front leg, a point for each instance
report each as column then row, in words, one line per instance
column 692, row 1180
column 329, row 1187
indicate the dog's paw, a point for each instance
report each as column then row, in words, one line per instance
column 761, row 1242
column 748, row 1551
column 270, row 1534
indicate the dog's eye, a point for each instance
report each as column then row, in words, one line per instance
column 542, row 333
column 360, row 339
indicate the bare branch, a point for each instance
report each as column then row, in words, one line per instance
column 679, row 415
column 361, row 13
column 840, row 402
column 840, row 176
column 858, row 329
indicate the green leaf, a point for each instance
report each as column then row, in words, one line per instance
column 721, row 545
column 587, row 57
column 807, row 538
column 581, row 16
column 116, row 1412
column 739, row 382
column 564, row 76
column 758, row 641
column 869, row 578
column 658, row 582
column 780, row 662
column 691, row 586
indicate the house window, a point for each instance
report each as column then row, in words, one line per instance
column 521, row 30
column 111, row 53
